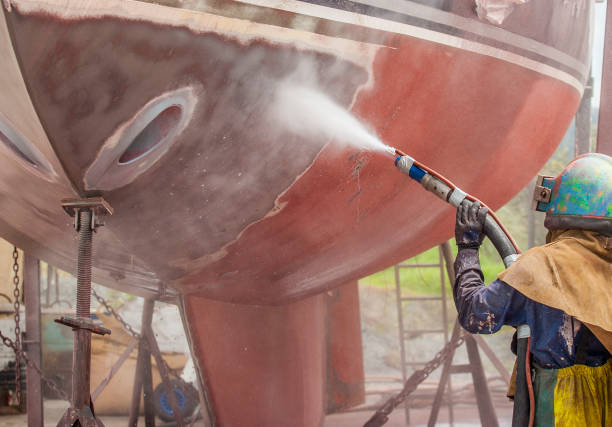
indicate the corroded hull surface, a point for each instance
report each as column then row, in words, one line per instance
column 231, row 206
column 165, row 113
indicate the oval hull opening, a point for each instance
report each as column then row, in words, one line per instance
column 154, row 134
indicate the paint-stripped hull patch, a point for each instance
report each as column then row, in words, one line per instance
column 198, row 20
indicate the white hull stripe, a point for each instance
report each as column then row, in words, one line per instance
column 465, row 25
column 342, row 16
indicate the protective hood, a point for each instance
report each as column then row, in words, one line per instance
column 572, row 273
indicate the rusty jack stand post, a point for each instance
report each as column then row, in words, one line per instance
column 143, row 377
column 81, row 412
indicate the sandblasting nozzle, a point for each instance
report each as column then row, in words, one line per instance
column 406, row 165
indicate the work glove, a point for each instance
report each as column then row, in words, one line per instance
column 469, row 228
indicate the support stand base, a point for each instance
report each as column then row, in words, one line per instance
column 83, row 417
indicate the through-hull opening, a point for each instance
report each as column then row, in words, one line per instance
column 141, row 141
column 154, row 134
column 23, row 150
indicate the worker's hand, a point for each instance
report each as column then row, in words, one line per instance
column 469, row 228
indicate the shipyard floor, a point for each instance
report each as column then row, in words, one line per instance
column 465, row 415
column 382, row 358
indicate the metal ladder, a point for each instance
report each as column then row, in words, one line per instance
column 405, row 334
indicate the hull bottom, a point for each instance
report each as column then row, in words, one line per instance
column 278, row 365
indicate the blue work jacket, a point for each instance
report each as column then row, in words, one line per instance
column 485, row 309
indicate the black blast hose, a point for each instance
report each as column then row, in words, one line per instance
column 435, row 183
column 524, row 410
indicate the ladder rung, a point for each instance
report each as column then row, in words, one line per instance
column 423, row 331
column 418, row 265
column 421, row 299
column 461, row 369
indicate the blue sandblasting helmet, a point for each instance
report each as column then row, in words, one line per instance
column 580, row 197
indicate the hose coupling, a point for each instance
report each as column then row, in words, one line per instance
column 406, row 165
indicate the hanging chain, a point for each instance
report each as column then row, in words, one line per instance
column 50, row 383
column 381, row 416
column 116, row 315
column 131, row 330
column 18, row 347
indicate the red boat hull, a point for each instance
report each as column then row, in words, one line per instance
column 290, row 364
column 165, row 113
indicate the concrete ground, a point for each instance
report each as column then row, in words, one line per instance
column 465, row 415
column 381, row 361
column 54, row 409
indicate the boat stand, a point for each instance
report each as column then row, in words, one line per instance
column 473, row 343
column 143, row 379
column 486, row 410
column 81, row 411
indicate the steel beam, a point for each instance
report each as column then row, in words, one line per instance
column 582, row 136
column 604, row 132
column 163, row 372
column 114, row 369
column 483, row 397
column 143, row 369
column 31, row 291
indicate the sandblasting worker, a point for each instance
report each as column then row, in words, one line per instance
column 562, row 291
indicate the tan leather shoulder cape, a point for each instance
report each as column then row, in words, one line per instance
column 572, row 273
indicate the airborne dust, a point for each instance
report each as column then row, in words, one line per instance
column 308, row 112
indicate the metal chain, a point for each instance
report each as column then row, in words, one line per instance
column 17, row 348
column 381, row 416
column 131, row 330
column 116, row 315
column 50, row 383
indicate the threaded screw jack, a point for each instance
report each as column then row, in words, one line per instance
column 83, row 302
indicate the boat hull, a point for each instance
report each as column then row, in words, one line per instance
column 165, row 113
column 231, row 205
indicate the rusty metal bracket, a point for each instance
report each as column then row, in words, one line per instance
column 80, row 323
column 542, row 194
column 97, row 205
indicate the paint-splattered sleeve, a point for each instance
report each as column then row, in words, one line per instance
column 484, row 309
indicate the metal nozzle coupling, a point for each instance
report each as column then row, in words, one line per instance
column 430, row 182
column 404, row 163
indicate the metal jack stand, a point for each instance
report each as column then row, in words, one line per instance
column 486, row 410
column 81, row 411
column 143, row 380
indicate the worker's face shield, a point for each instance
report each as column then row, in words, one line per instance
column 542, row 194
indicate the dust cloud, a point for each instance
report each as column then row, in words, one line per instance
column 306, row 111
